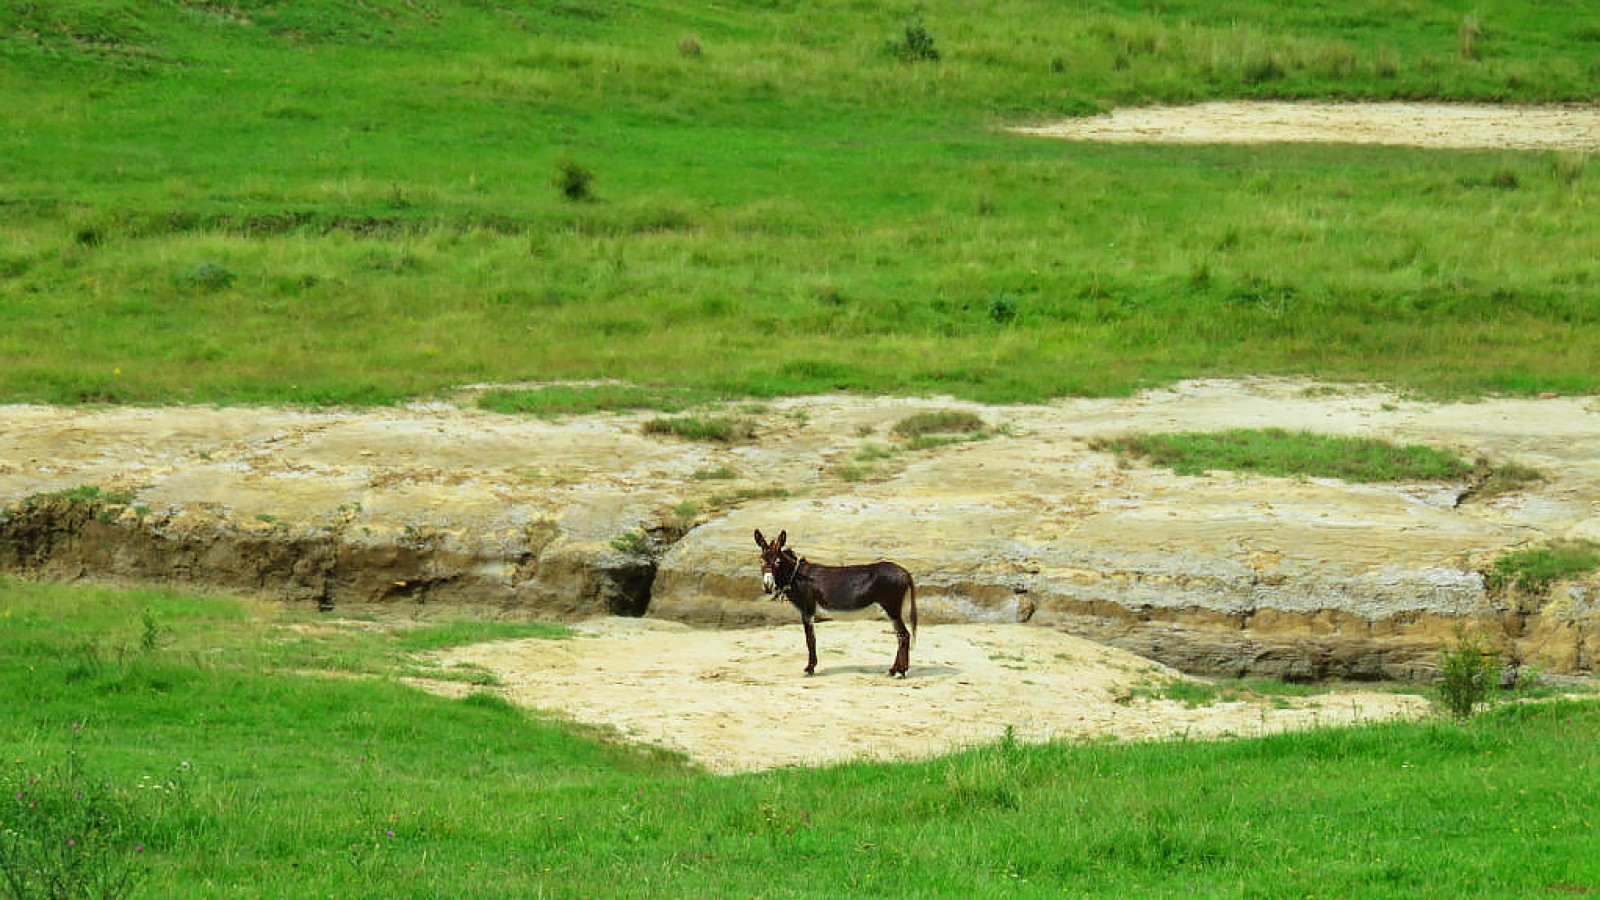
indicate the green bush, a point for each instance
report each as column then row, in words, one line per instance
column 575, row 182
column 1468, row 674
column 207, row 277
column 915, row 44
column 66, row 833
column 1002, row 308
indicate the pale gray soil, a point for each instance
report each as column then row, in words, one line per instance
column 1433, row 125
column 736, row 701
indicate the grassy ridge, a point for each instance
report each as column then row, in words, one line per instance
column 240, row 773
column 331, row 202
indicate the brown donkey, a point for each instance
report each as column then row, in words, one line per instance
column 843, row 589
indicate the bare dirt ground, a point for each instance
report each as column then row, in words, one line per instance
column 736, row 701
column 1432, row 125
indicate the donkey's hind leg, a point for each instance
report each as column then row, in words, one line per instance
column 902, row 654
column 811, row 644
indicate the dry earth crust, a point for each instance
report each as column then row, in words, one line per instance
column 735, row 701
column 436, row 509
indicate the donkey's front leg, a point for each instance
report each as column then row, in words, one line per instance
column 811, row 644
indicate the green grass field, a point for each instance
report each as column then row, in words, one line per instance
column 208, row 747
column 326, row 202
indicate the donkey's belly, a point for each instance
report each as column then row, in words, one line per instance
column 865, row 611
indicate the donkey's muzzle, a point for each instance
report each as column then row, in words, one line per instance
column 768, row 583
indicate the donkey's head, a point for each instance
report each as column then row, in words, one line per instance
column 773, row 558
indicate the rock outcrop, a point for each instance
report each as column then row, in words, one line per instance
column 441, row 507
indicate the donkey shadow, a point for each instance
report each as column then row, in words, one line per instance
column 913, row 674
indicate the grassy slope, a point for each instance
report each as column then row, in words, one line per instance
column 270, row 781
column 331, row 202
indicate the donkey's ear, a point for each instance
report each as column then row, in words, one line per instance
column 760, row 541
column 782, row 536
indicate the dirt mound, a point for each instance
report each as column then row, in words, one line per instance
column 1432, row 125
column 736, row 701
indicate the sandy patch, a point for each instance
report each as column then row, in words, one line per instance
column 1431, row 125
column 736, row 701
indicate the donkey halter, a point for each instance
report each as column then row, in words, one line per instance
column 783, row 590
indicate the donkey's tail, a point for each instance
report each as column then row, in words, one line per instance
column 912, row 587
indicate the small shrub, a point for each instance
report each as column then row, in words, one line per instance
column 575, row 182
column 1468, row 674
column 66, row 833
column 1002, row 308
column 915, row 44
column 152, row 635
column 682, row 517
column 207, row 277
column 632, row 542
column 689, row 47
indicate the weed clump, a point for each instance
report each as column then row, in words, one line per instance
column 1467, row 675
column 947, row 421
column 915, row 44
column 1568, row 168
column 67, row 833
column 1002, row 308
column 715, row 429
column 575, row 182
column 1534, row 569
column 207, row 278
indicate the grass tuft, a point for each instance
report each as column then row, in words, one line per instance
column 712, row 429
column 1282, row 453
column 1533, row 570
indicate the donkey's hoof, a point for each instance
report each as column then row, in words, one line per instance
column 810, row 672
column 896, row 674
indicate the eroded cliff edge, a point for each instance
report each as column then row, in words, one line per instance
column 442, row 507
